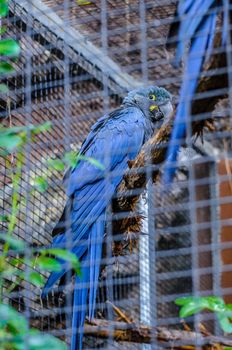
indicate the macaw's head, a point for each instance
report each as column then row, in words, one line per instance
column 154, row 101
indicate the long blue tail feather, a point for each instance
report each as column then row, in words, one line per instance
column 95, row 261
column 193, row 17
column 89, row 281
column 55, row 276
column 80, row 304
column 198, row 27
column 225, row 26
column 193, row 67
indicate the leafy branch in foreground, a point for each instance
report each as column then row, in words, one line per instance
column 12, row 267
column 14, row 330
column 15, row 333
column 15, row 266
column 193, row 305
column 9, row 48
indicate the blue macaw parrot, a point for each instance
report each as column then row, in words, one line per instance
column 195, row 26
column 114, row 139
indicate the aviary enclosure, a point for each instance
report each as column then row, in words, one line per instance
column 162, row 241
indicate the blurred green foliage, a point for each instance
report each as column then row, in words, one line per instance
column 9, row 48
column 192, row 305
column 15, row 333
column 19, row 261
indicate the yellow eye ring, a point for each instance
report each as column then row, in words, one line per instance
column 152, row 97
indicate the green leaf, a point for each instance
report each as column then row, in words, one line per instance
column 71, row 159
column 65, row 255
column 192, row 305
column 215, row 303
column 15, row 130
column 6, row 68
column 9, row 47
column 3, row 8
column 40, row 128
column 39, row 341
column 14, row 243
column 224, row 323
column 11, row 318
column 16, row 343
column 4, row 88
column 227, row 311
column 183, row 300
column 11, row 138
column 3, row 30
column 4, row 218
column 211, row 303
column 9, row 142
column 6, row 270
column 36, row 278
column 92, row 161
column 40, row 183
column 56, row 164
column 48, row 264
column 189, row 310
column 83, row 2
column 16, row 261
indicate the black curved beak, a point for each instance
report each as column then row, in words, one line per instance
column 161, row 110
column 158, row 115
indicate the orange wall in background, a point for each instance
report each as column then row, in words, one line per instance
column 225, row 190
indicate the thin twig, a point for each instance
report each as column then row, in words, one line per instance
column 119, row 312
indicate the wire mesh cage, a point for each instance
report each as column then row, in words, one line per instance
column 148, row 243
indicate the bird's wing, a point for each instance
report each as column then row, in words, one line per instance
column 91, row 188
column 92, row 135
column 108, row 143
column 98, row 126
column 115, row 142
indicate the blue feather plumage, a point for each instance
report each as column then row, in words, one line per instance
column 197, row 27
column 115, row 139
column 113, row 142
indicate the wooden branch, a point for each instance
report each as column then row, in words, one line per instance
column 138, row 333
column 153, row 152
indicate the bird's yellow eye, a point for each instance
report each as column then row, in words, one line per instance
column 152, row 97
